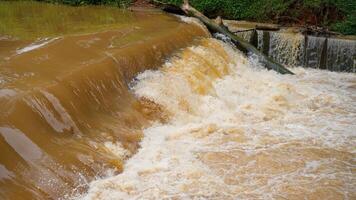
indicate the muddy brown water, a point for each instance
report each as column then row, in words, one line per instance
column 100, row 103
column 64, row 73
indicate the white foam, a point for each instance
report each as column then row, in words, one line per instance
column 195, row 21
column 254, row 134
column 117, row 149
column 36, row 45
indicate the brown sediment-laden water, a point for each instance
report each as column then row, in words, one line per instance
column 143, row 105
column 64, row 96
column 237, row 131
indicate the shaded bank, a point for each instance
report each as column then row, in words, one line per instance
column 336, row 15
column 120, row 3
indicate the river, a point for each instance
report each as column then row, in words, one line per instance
column 101, row 103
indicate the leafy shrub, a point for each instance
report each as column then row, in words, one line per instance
column 337, row 14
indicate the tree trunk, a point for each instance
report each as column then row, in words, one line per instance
column 239, row 42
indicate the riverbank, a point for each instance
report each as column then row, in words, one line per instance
column 336, row 16
column 106, row 103
column 320, row 15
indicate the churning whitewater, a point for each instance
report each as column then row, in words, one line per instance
column 233, row 130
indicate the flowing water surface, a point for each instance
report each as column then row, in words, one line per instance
column 292, row 48
column 64, row 73
column 236, row 131
column 91, row 108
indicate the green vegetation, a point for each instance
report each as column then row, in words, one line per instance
column 120, row 3
column 339, row 15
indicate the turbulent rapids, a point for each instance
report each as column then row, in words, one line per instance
column 152, row 107
column 236, row 131
column 64, row 99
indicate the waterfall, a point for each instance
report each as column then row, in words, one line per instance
column 65, row 101
column 293, row 49
column 341, row 55
column 233, row 130
column 286, row 48
column 144, row 105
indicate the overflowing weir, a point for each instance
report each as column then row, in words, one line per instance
column 63, row 98
column 233, row 130
column 144, row 105
column 295, row 49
